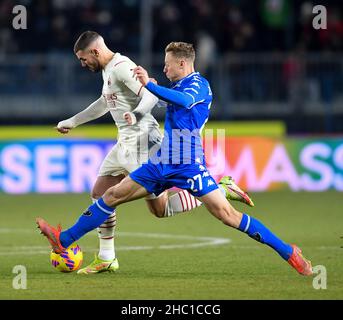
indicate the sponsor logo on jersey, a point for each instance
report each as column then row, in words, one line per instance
column 201, row 167
column 210, row 183
column 196, row 78
column 195, row 84
column 110, row 99
column 205, row 174
column 192, row 89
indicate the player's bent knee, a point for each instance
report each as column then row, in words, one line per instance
column 157, row 204
column 226, row 215
column 156, row 210
column 113, row 196
column 232, row 218
column 228, row 222
column 95, row 194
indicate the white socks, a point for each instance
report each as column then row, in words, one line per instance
column 106, row 238
column 181, row 202
column 223, row 191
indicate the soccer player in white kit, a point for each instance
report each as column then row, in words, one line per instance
column 130, row 105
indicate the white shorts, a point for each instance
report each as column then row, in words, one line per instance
column 122, row 159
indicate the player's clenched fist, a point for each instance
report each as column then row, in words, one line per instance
column 65, row 126
column 130, row 118
column 141, row 75
column 153, row 80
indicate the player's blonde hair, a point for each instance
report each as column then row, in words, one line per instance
column 181, row 50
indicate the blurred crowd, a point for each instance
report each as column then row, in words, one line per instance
column 215, row 26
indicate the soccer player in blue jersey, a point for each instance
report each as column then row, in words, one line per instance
column 179, row 162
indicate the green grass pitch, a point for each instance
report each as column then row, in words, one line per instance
column 184, row 257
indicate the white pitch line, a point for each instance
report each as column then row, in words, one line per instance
column 10, row 230
column 199, row 242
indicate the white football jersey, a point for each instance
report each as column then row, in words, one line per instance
column 121, row 92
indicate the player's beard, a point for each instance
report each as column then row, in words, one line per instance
column 96, row 67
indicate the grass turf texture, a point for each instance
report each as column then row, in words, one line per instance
column 104, row 131
column 241, row 269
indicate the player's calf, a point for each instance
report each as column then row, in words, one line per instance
column 257, row 231
column 157, row 204
column 183, row 201
column 103, row 183
column 222, row 209
column 164, row 206
column 180, row 202
column 126, row 190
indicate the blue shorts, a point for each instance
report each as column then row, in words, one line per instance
column 156, row 178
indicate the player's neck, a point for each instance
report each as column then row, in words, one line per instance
column 108, row 56
column 185, row 73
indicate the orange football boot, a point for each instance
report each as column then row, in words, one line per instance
column 52, row 234
column 299, row 262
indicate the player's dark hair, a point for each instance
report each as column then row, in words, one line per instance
column 85, row 39
column 181, row 50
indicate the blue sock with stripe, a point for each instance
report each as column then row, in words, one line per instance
column 256, row 230
column 92, row 218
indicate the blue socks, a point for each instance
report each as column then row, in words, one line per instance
column 99, row 212
column 259, row 232
column 92, row 218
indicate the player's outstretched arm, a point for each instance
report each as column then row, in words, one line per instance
column 96, row 110
column 176, row 97
column 180, row 98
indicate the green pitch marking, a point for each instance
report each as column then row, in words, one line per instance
column 108, row 131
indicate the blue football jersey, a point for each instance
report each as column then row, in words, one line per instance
column 180, row 161
column 182, row 141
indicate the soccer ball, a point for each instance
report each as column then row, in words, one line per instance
column 67, row 261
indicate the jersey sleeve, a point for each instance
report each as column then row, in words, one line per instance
column 124, row 73
column 193, row 93
column 197, row 90
column 170, row 95
column 94, row 111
